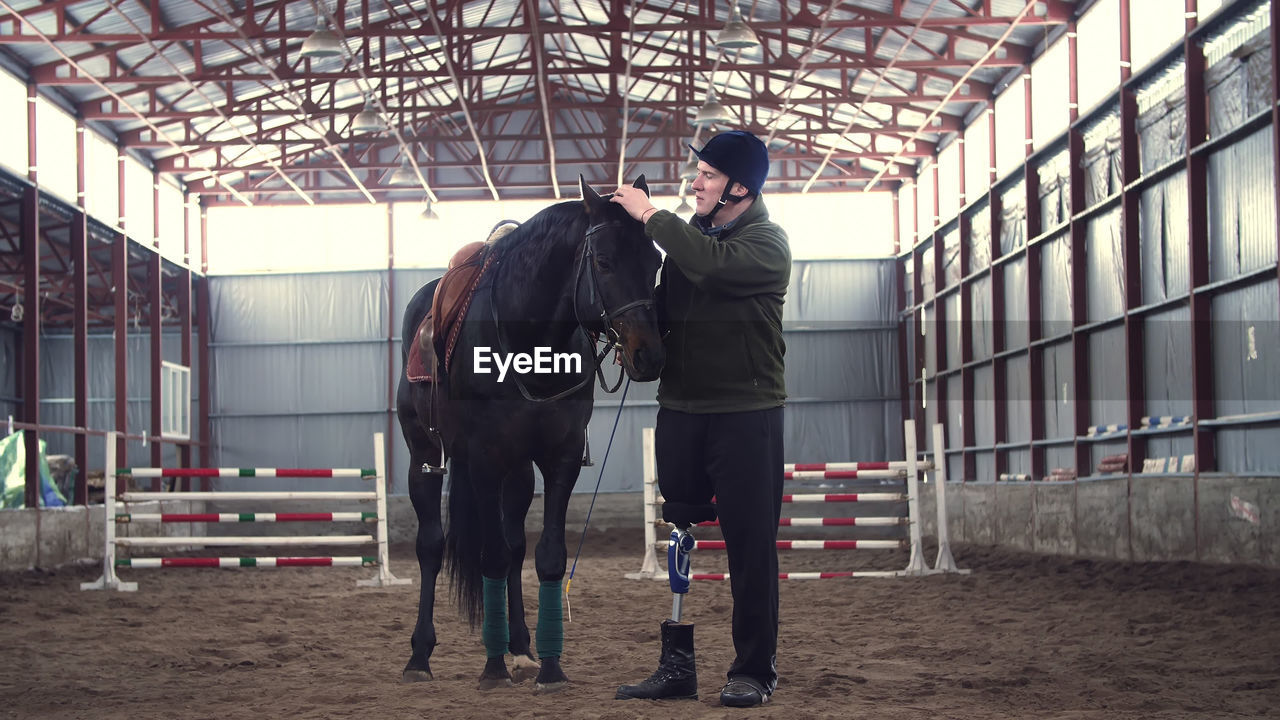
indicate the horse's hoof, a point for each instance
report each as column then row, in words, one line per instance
column 549, row 687
column 524, row 667
column 416, row 676
column 493, row 683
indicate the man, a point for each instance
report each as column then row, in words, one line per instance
column 721, row 395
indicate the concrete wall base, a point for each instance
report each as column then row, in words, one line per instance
column 1209, row 519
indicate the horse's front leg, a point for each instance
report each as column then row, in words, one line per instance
column 560, row 474
column 517, row 495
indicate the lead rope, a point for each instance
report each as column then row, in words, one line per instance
column 603, row 461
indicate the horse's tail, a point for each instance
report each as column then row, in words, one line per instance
column 462, row 542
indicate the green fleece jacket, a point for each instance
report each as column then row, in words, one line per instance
column 721, row 301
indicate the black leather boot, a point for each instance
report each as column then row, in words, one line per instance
column 677, row 676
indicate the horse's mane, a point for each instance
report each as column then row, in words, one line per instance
column 553, row 230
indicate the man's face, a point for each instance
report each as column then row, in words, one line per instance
column 708, row 186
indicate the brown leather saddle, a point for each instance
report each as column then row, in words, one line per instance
column 437, row 334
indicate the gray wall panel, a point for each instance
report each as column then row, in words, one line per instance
column 1055, row 286
column 1013, row 218
column 849, row 293
column 1245, row 450
column 1167, row 365
column 1108, row 399
column 1246, row 350
column 323, row 306
column 983, row 406
column 979, row 237
column 979, row 325
column 1016, row 330
column 955, row 326
column 1163, row 239
column 1104, row 267
column 1059, row 391
column 1018, row 391
column 1242, row 207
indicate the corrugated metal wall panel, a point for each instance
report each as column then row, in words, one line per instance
column 927, row 272
column 1163, row 239
column 1108, row 398
column 955, row 399
column 984, row 467
column 979, row 237
column 1104, row 267
column 951, row 256
column 1246, row 350
column 983, row 407
column 1017, row 332
column 930, row 347
column 955, row 326
column 979, row 325
column 280, row 308
column 1059, row 391
column 930, row 412
column 1055, row 286
column 1242, row 207
column 1167, row 365
column 847, row 292
column 1059, row 456
column 1245, row 450
column 1019, row 461
column 1013, row 218
column 1018, row 390
column 844, row 365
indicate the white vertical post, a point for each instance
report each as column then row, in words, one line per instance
column 109, row 579
column 916, row 565
column 944, row 562
column 384, row 576
column 649, row 566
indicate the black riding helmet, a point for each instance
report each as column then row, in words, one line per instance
column 742, row 157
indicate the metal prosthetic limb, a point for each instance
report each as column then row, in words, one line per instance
column 677, row 674
column 679, row 546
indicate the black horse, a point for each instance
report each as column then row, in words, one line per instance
column 574, row 271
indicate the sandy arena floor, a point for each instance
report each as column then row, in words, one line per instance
column 1022, row 637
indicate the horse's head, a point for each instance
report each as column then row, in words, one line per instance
column 623, row 264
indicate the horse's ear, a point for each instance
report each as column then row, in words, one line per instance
column 641, row 184
column 590, row 198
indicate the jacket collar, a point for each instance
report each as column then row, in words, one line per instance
column 756, row 213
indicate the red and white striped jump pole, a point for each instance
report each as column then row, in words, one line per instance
column 907, row 469
column 110, row 580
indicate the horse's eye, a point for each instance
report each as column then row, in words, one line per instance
column 603, row 263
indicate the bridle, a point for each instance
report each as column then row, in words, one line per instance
column 606, row 316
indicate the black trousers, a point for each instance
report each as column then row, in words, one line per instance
column 736, row 457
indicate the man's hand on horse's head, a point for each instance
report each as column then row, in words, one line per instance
column 634, row 201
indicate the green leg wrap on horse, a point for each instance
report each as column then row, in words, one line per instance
column 494, row 631
column 550, row 620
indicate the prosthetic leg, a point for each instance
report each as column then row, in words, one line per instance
column 676, row 677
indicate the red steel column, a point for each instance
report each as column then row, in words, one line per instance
column 80, row 322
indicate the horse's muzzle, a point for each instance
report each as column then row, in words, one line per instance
column 643, row 354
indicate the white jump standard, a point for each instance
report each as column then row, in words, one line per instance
column 378, row 519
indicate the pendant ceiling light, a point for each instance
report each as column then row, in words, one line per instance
column 736, row 35
column 322, row 43
column 684, row 208
column 429, row 211
column 403, row 175
column 712, row 112
column 690, row 170
column 368, row 120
